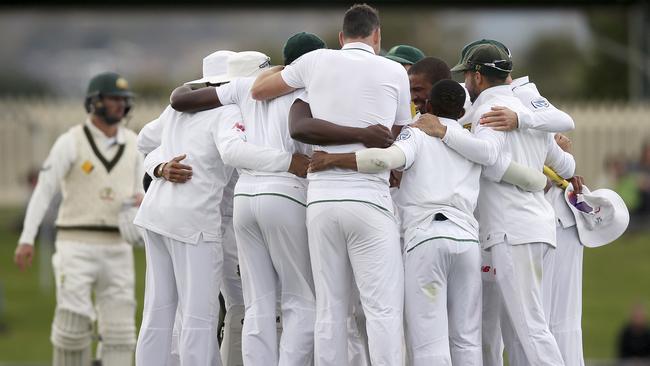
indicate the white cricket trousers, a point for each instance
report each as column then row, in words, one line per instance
column 562, row 292
column 442, row 303
column 519, row 271
column 356, row 241
column 274, row 258
column 491, row 313
column 187, row 276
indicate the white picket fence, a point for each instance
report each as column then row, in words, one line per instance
column 29, row 127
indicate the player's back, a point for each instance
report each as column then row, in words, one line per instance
column 437, row 180
column 506, row 211
column 194, row 204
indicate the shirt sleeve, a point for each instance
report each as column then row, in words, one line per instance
column 483, row 147
column 496, row 171
column 403, row 115
column 150, row 136
column 408, row 142
column 543, row 115
column 232, row 92
column 230, row 138
column 152, row 160
column 560, row 161
column 57, row 165
column 297, row 75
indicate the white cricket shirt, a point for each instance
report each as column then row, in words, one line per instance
column 505, row 211
column 356, row 88
column 188, row 211
column 437, row 179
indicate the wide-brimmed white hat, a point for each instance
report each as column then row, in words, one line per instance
column 241, row 64
column 215, row 66
column 601, row 215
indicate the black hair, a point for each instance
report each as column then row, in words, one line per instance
column 447, row 99
column 494, row 78
column 433, row 68
column 360, row 21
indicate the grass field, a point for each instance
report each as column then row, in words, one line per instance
column 615, row 277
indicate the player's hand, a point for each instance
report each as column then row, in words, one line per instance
column 577, row 182
column 377, row 136
column 176, row 172
column 320, row 161
column 23, row 256
column 395, row 179
column 500, row 119
column 563, row 142
column 430, row 125
column 299, row 165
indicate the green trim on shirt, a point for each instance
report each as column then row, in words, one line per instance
column 442, row 237
column 270, row 194
column 349, row 200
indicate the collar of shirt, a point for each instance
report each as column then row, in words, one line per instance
column 98, row 135
column 491, row 92
column 358, row 45
column 448, row 121
column 519, row 82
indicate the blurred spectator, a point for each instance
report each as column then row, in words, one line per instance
column 642, row 173
column 616, row 176
column 634, row 340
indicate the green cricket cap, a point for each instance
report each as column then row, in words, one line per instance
column 299, row 44
column 405, row 54
column 486, row 58
column 109, row 83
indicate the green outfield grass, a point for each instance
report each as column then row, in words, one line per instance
column 615, row 277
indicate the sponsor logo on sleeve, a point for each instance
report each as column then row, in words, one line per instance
column 405, row 134
column 540, row 103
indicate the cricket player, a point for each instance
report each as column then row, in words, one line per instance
column 422, row 76
column 96, row 167
column 274, row 253
column 351, row 227
column 148, row 140
column 562, row 284
column 517, row 227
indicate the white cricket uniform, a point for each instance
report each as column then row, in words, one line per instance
column 273, row 248
column 352, row 230
column 148, row 140
column 96, row 174
column 562, row 283
column 542, row 116
column 182, row 225
column 518, row 228
column 442, row 283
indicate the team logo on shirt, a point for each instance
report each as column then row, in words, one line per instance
column 239, row 127
column 87, row 167
column 540, row 103
column 107, row 194
column 405, row 134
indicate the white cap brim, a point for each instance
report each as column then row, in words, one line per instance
column 217, row 79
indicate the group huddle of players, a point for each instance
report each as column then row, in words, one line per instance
column 345, row 204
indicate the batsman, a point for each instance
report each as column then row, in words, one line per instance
column 97, row 168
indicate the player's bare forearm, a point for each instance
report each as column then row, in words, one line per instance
column 184, row 99
column 269, row 84
column 305, row 128
column 323, row 161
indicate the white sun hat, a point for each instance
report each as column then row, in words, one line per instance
column 239, row 65
column 601, row 215
column 215, row 67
